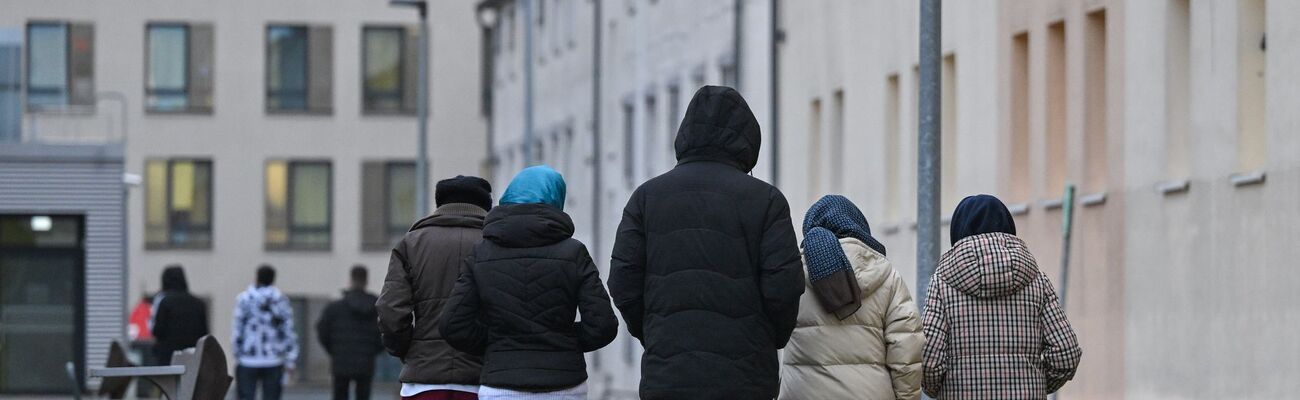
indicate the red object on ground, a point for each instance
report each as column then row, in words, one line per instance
column 138, row 323
column 443, row 395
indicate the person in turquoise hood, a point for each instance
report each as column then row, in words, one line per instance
column 520, row 292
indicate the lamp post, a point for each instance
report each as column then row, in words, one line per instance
column 421, row 108
column 486, row 15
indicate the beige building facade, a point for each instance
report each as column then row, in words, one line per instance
column 257, row 132
column 1170, row 117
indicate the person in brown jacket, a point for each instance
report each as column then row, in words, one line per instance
column 421, row 274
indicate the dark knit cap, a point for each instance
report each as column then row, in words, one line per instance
column 464, row 189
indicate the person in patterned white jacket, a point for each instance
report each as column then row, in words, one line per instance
column 265, row 344
column 993, row 325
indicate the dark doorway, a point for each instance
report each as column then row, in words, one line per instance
column 42, row 301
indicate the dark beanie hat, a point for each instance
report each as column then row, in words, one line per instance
column 464, row 189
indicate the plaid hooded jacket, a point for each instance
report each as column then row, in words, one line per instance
column 993, row 325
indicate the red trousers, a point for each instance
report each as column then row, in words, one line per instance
column 443, row 395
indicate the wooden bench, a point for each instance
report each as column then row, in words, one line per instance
column 199, row 373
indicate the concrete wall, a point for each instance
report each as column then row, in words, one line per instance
column 239, row 136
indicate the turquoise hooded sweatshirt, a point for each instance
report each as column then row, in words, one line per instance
column 536, row 185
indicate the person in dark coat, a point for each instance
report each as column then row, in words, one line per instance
column 705, row 268
column 179, row 318
column 348, row 332
column 519, row 292
column 421, row 274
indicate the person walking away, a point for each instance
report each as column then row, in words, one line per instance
column 705, row 266
column 348, row 332
column 518, row 293
column 422, row 272
column 859, row 333
column 179, row 318
column 266, row 346
column 994, row 328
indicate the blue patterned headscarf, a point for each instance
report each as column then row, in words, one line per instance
column 536, row 185
column 827, row 221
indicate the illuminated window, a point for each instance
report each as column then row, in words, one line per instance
column 178, row 204
column 387, row 203
column 298, row 203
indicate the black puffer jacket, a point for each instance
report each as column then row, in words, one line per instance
column 705, row 267
column 516, row 300
column 348, row 332
column 179, row 319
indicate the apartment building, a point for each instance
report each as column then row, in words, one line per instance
column 253, row 132
column 652, row 56
column 1169, row 116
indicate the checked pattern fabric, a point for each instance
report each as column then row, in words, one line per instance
column 994, row 327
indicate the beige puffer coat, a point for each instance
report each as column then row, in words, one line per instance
column 873, row 354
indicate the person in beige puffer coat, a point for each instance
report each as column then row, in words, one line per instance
column 858, row 334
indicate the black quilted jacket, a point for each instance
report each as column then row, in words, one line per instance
column 518, row 295
column 705, row 269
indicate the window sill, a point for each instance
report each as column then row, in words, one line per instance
column 1018, row 208
column 165, row 247
column 388, row 113
column 1093, row 199
column 277, row 249
column 311, row 113
column 1051, row 204
column 1241, row 179
column 1173, row 186
column 891, row 229
column 189, row 111
column 63, row 109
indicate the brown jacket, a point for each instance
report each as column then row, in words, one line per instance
column 421, row 274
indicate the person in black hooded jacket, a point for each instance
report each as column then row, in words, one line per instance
column 519, row 291
column 348, row 332
column 179, row 318
column 705, row 268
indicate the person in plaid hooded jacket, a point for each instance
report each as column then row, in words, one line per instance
column 994, row 327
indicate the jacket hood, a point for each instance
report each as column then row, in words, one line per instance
column 454, row 215
column 988, row 265
column 870, row 267
column 527, row 225
column 173, row 280
column 536, row 184
column 719, row 126
column 980, row 214
column 262, row 293
column 360, row 303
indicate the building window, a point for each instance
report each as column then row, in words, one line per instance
column 1095, row 119
column 178, row 206
column 948, row 133
column 387, row 203
column 1178, row 82
column 1056, row 97
column 299, row 72
column 651, row 139
column 815, row 150
column 60, row 64
column 389, row 80
column 11, row 85
column 729, row 76
column 674, row 122
column 629, row 142
column 1252, row 121
column 298, row 205
column 179, row 68
column 890, row 151
column 836, row 143
column 1019, row 141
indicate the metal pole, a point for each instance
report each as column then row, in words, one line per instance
column 596, row 187
column 928, row 145
column 736, row 44
column 528, row 82
column 775, row 81
column 1067, row 226
column 422, row 108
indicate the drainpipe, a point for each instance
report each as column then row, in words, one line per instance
column 736, row 43
column 775, row 81
column 528, row 82
column 596, row 186
column 928, row 145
